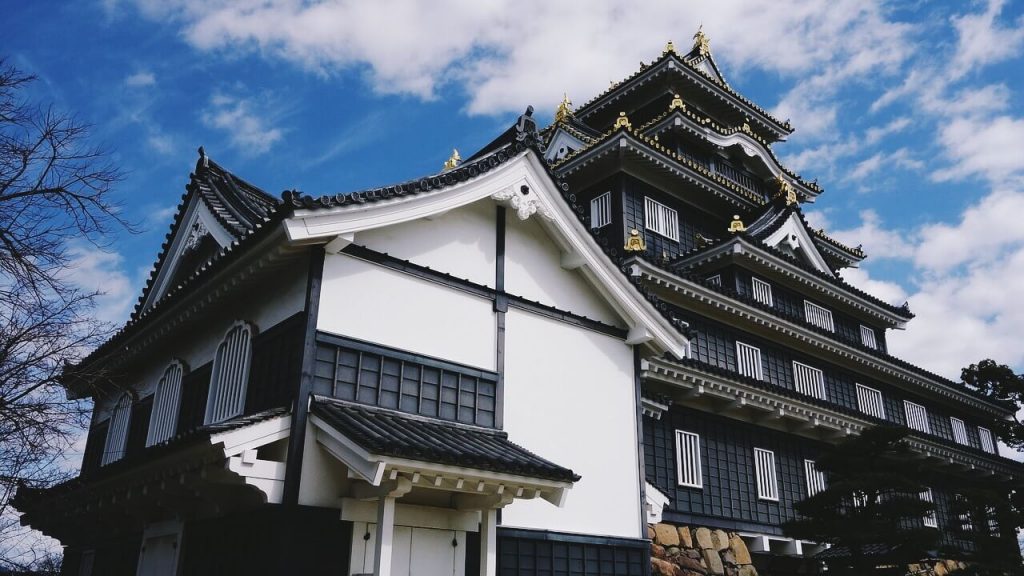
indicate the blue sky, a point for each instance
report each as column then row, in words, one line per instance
column 909, row 114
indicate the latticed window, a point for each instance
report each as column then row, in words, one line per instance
column 808, row 380
column 869, row 401
column 688, row 469
column 963, row 514
column 748, row 360
column 993, row 522
column 929, row 518
column 867, row 337
column 959, row 430
column 815, row 478
column 762, row 291
column 601, row 210
column 163, row 421
column 715, row 280
column 917, row 416
column 987, row 443
column 230, row 374
column 767, row 481
column 117, row 431
column 818, row 316
column 661, row 219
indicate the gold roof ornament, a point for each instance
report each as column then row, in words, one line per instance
column 622, row 121
column 701, row 42
column 564, row 110
column 746, row 126
column 677, row 103
column 736, row 225
column 453, row 161
column 669, row 48
column 785, row 190
column 635, row 242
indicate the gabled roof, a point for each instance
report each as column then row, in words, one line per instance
column 783, row 228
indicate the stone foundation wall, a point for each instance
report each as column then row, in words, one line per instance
column 680, row 551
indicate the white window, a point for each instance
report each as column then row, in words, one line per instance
column 964, row 516
column 661, row 219
column 815, row 478
column 917, row 416
column 748, row 360
column 767, row 483
column 163, row 422
column 869, row 401
column 929, row 518
column 959, row 430
column 993, row 522
column 601, row 210
column 987, row 444
column 230, row 375
column 715, row 280
column 117, row 430
column 688, row 459
column 762, row 291
column 818, row 316
column 867, row 337
column 808, row 380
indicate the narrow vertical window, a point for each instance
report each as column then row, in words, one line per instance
column 230, row 375
column 762, row 291
column 818, row 316
column 661, row 219
column 815, row 478
column 715, row 280
column 869, row 401
column 959, row 430
column 992, row 521
column 929, row 518
column 117, row 431
column 867, row 337
column 688, row 471
column 917, row 416
column 767, row 482
column 808, row 380
column 601, row 210
column 748, row 360
column 163, row 421
column 987, row 442
column 963, row 515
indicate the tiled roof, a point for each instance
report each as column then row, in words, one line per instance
column 389, row 433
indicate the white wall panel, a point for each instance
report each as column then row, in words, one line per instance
column 569, row 397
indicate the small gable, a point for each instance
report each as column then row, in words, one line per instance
column 562, row 144
column 792, row 237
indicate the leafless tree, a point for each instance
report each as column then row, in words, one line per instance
column 55, row 193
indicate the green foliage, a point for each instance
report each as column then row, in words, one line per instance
column 999, row 382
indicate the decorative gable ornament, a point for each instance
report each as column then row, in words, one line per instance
column 195, row 236
column 523, row 202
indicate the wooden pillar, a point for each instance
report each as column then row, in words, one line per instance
column 385, row 535
column 488, row 542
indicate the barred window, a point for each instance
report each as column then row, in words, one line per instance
column 869, row 401
column 992, row 521
column 688, row 469
column 815, row 478
column 959, row 430
column 117, row 431
column 929, row 518
column 748, row 360
column 867, row 337
column 661, row 219
column 963, row 515
column 230, row 374
column 715, row 280
column 762, row 291
column 987, row 442
column 601, row 210
column 163, row 421
column 808, row 380
column 917, row 416
column 767, row 481
column 818, row 316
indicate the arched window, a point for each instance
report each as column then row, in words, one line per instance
column 163, row 422
column 117, row 431
column 230, row 374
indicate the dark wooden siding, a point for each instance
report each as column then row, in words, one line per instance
column 138, row 427
column 692, row 220
column 94, row 448
column 276, row 365
column 195, row 386
column 530, row 553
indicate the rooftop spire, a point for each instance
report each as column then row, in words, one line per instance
column 564, row 110
column 701, row 43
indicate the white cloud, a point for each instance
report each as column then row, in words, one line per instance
column 140, row 79
column 247, row 131
column 982, row 40
column 97, row 270
column 987, row 147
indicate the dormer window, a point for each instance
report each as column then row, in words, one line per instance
column 230, row 374
column 661, row 219
column 117, row 431
column 163, row 422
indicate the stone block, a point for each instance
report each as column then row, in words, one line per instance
column 703, row 536
column 650, row 532
column 714, row 562
column 720, row 539
column 685, row 539
column 666, row 535
column 661, row 567
column 739, row 550
column 687, row 563
column 728, row 558
column 747, row 570
column 658, row 551
column 952, row 565
column 940, row 569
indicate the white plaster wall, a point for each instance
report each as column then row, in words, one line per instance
column 569, row 397
column 533, row 270
column 362, row 300
column 460, row 242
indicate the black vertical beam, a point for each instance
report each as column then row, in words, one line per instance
column 642, row 466
column 300, row 410
column 500, row 308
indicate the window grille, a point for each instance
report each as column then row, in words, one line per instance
column 869, row 401
column 230, row 375
column 917, row 416
column 959, row 430
column 688, row 469
column 992, row 521
column 815, row 478
column 818, row 316
column 808, row 380
column 963, row 515
column 987, row 443
column 715, row 280
column 163, row 421
column 867, row 337
column 117, row 432
column 748, row 360
column 601, row 210
column 762, row 291
column 767, row 483
column 661, row 219
column 929, row 518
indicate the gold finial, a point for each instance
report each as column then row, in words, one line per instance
column 736, row 225
column 453, row 161
column 622, row 121
column 785, row 190
column 564, row 110
column 669, row 47
column 701, row 42
column 746, row 126
column 677, row 103
column 635, row 242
